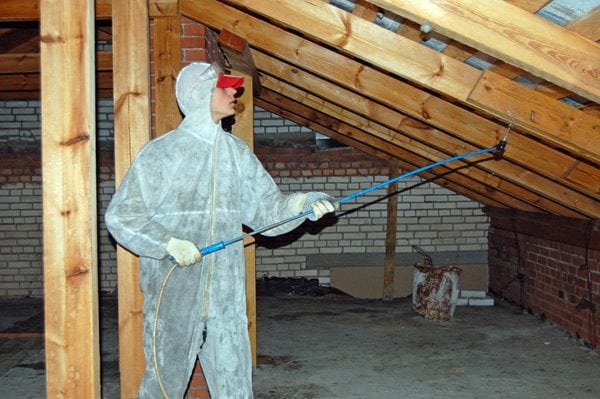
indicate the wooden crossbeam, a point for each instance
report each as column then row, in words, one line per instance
column 29, row 10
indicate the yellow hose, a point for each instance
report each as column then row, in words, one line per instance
column 160, row 294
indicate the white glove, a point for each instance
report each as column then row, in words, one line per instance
column 184, row 252
column 320, row 203
column 320, row 208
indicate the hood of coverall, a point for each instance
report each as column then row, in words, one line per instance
column 194, row 90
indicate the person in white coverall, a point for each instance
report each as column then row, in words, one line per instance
column 187, row 189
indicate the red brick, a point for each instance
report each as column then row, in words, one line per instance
column 193, row 29
column 195, row 55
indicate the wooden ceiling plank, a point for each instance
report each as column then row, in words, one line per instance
column 19, row 64
column 513, row 35
column 217, row 14
column 587, row 25
column 418, row 138
column 458, row 51
column 410, row 31
column 315, row 120
column 461, row 52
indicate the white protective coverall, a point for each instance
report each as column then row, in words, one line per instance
column 196, row 183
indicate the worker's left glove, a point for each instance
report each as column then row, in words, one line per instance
column 319, row 203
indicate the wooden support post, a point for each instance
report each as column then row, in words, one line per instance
column 244, row 128
column 238, row 53
column 69, row 199
column 166, row 56
column 132, row 130
column 390, row 238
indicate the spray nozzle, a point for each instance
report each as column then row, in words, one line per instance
column 502, row 144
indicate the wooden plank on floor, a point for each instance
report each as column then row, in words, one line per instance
column 69, row 199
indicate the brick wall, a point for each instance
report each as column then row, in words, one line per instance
column 550, row 266
column 21, row 198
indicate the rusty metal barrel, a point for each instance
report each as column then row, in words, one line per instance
column 435, row 289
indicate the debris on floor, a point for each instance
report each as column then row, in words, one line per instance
column 474, row 298
column 293, row 286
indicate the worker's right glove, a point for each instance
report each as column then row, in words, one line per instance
column 184, row 252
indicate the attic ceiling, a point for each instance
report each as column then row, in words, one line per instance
column 413, row 82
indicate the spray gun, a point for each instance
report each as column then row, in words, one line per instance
column 497, row 150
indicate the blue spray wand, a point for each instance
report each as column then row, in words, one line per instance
column 497, row 149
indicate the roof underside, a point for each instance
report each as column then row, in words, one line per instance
column 416, row 82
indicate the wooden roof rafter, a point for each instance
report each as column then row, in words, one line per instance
column 412, row 140
column 304, row 115
column 422, row 105
column 424, row 66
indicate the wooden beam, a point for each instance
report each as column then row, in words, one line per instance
column 587, row 25
column 132, row 130
column 29, row 10
column 365, row 10
column 389, row 265
column 478, row 168
column 163, row 8
column 513, row 35
column 383, row 48
column 69, row 200
column 425, row 134
column 375, row 146
column 244, row 129
column 447, row 117
column 27, row 86
column 237, row 52
column 30, row 63
column 394, row 93
column 166, row 55
column 365, row 40
column 575, row 131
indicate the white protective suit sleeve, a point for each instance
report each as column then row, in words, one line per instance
column 129, row 216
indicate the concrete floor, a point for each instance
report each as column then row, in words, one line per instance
column 339, row 347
